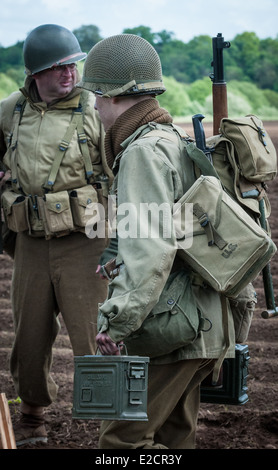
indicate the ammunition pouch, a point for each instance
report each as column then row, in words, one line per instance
column 15, row 207
column 55, row 212
column 79, row 200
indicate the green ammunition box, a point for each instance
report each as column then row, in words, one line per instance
column 110, row 387
column 232, row 388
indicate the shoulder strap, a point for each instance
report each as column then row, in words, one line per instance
column 13, row 137
column 201, row 160
column 16, row 119
column 76, row 124
column 82, row 138
column 193, row 152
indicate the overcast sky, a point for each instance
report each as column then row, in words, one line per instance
column 185, row 18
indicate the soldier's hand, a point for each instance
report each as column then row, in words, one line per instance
column 106, row 346
column 4, row 177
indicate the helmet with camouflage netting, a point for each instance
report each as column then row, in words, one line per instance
column 50, row 45
column 123, row 65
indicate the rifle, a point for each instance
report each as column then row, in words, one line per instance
column 220, row 110
column 219, row 87
column 231, row 387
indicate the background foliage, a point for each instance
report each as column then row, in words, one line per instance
column 251, row 71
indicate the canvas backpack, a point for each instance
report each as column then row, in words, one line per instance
column 228, row 248
column 245, row 160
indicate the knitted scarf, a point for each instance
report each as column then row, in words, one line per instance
column 141, row 113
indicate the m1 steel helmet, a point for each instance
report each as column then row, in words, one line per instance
column 123, row 65
column 50, row 45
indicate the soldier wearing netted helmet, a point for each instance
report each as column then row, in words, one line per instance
column 51, row 143
column 151, row 292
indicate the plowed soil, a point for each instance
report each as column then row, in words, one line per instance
column 253, row 425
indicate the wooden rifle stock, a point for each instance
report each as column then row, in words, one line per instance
column 220, row 105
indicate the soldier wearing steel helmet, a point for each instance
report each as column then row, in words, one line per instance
column 148, row 282
column 51, row 144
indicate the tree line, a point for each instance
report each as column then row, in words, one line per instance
column 248, row 59
column 251, row 68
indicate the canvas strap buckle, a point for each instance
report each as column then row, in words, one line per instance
column 212, row 235
column 111, row 269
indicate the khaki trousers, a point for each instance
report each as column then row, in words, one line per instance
column 51, row 277
column 173, row 406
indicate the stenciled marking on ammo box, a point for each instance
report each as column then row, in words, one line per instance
column 97, row 388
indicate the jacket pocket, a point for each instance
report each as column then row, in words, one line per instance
column 15, row 207
column 80, row 199
column 55, row 212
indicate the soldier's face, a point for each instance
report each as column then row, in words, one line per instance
column 106, row 109
column 56, row 82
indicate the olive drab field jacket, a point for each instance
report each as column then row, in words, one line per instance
column 149, row 171
column 51, row 159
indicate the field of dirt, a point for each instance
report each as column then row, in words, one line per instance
column 253, row 425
